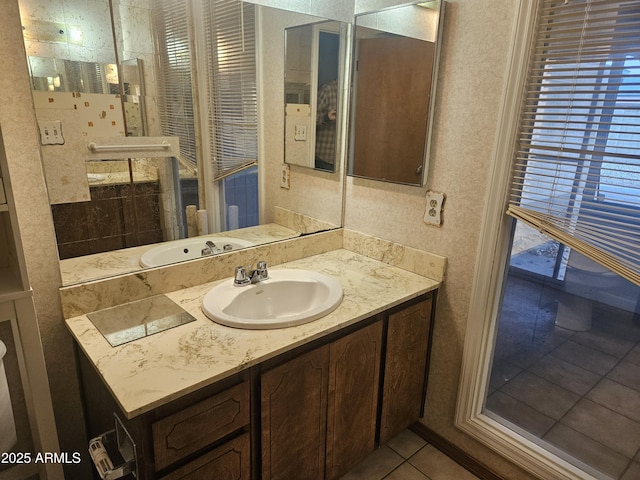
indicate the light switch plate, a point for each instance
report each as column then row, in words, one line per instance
column 433, row 213
column 51, row 132
column 300, row 133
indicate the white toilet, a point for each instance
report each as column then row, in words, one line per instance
column 584, row 281
column 8, row 436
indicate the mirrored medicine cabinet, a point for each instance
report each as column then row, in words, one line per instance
column 395, row 53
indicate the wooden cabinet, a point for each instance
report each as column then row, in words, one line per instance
column 309, row 414
column 354, row 373
column 205, row 434
column 408, row 333
column 319, row 409
column 294, row 415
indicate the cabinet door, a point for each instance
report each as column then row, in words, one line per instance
column 294, row 415
column 405, row 364
column 354, row 379
column 230, row 461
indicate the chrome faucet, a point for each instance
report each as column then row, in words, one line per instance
column 246, row 276
column 210, row 248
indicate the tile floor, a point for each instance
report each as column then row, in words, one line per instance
column 408, row 457
column 579, row 391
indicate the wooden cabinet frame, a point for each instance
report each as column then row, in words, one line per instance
column 302, row 404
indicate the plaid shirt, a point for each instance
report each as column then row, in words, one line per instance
column 325, row 128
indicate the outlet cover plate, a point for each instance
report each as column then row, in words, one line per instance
column 435, row 203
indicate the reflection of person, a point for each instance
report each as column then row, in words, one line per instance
column 326, row 126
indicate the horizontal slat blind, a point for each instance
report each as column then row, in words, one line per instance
column 577, row 163
column 175, row 97
column 233, row 105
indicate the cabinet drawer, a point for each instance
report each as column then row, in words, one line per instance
column 195, row 427
column 229, row 461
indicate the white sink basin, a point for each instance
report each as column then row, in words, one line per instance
column 287, row 298
column 187, row 249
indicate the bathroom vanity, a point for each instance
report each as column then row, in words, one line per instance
column 207, row 401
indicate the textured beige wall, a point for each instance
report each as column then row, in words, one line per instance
column 19, row 130
column 475, row 50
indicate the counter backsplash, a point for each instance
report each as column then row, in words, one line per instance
column 95, row 295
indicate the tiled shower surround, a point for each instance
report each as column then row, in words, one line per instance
column 118, row 216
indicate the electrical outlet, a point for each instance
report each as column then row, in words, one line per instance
column 51, row 133
column 433, row 213
column 285, row 177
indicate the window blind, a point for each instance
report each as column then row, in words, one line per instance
column 175, row 95
column 229, row 27
column 577, row 162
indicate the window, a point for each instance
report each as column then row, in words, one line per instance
column 207, row 51
column 172, row 29
column 233, row 106
column 572, row 118
column 577, row 171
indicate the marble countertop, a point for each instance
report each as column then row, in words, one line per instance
column 118, row 178
column 155, row 370
column 118, row 262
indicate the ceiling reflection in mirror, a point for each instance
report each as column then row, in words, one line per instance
column 312, row 94
column 395, row 67
column 139, row 79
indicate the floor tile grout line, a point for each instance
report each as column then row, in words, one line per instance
column 532, row 328
column 629, row 465
column 559, row 421
column 583, row 396
column 596, row 441
column 399, row 466
column 592, row 347
column 527, row 405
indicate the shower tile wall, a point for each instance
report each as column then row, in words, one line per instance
column 118, row 216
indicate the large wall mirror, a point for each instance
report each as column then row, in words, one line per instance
column 313, row 72
column 115, row 69
column 393, row 91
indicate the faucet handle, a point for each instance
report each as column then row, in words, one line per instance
column 263, row 272
column 241, row 277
